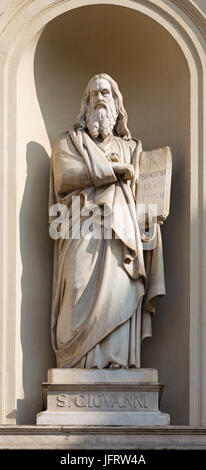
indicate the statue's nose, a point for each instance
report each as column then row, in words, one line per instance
column 99, row 99
column 99, row 96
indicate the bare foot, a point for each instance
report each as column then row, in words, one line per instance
column 114, row 365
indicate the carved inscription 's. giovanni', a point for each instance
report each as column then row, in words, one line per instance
column 101, row 400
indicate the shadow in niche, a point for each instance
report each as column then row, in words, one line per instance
column 37, row 256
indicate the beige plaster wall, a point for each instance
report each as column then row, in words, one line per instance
column 34, row 247
column 153, row 76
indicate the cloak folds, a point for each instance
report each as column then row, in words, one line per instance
column 103, row 289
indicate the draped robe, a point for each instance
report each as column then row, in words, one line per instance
column 103, row 288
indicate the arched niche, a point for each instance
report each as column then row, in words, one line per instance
column 153, row 75
column 46, row 79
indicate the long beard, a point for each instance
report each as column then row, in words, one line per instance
column 101, row 121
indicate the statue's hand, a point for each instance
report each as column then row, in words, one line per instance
column 113, row 157
column 126, row 171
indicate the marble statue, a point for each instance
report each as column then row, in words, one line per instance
column 104, row 288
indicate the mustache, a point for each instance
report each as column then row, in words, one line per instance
column 100, row 103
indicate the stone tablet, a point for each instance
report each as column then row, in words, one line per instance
column 155, row 180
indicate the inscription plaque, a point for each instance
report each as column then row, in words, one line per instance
column 104, row 401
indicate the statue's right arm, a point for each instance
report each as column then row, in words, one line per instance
column 70, row 172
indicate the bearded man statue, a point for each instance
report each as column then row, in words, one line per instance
column 104, row 288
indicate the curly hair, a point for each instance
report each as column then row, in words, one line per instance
column 120, row 128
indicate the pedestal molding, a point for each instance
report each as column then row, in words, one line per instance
column 108, row 437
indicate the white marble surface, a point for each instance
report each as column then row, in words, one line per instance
column 101, row 319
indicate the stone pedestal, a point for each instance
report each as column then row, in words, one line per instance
column 102, row 397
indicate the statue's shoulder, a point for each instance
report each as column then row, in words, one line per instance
column 60, row 141
column 63, row 144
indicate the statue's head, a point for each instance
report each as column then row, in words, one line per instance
column 102, row 111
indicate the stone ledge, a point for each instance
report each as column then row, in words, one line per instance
column 101, row 376
column 155, row 387
column 100, row 437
